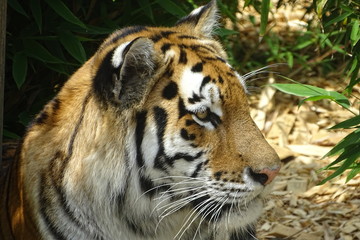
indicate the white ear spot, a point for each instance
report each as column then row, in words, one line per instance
column 196, row 11
column 169, row 54
column 117, row 57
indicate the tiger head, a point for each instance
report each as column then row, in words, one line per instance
column 155, row 129
column 194, row 143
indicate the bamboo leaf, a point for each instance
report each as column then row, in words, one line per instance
column 265, row 8
column 355, row 35
column 342, row 168
column 36, row 12
column 353, row 173
column 314, row 93
column 353, row 137
column 172, row 8
column 60, row 8
column 338, row 19
column 73, row 46
column 14, row 4
column 19, row 69
column 146, row 8
column 37, row 51
column 348, row 123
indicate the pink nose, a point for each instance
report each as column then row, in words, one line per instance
column 270, row 173
column 264, row 176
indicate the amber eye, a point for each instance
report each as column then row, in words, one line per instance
column 202, row 115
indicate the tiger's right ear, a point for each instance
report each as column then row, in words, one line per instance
column 125, row 76
column 202, row 21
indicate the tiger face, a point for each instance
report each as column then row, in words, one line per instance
column 151, row 139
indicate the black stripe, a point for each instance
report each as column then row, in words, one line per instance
column 165, row 47
column 197, row 67
column 103, row 81
column 197, row 170
column 194, row 99
column 55, row 104
column 139, row 135
column 146, row 185
column 205, row 81
column 162, row 34
column 185, row 156
column 221, row 80
column 126, row 32
column 160, row 116
column 41, row 118
column 183, row 57
column 182, row 109
column 187, row 37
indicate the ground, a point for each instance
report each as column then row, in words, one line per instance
column 299, row 208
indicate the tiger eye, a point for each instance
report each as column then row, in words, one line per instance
column 202, row 114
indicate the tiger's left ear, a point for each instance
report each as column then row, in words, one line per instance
column 202, row 20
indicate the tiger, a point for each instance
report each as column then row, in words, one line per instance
column 150, row 139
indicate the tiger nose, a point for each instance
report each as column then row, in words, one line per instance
column 264, row 176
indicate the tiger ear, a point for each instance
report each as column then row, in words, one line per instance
column 126, row 75
column 202, row 20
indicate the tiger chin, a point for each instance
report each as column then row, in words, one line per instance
column 150, row 139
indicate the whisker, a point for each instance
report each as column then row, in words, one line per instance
column 189, row 216
column 176, row 204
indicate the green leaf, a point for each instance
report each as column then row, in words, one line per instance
column 9, row 134
column 353, row 173
column 351, row 138
column 338, row 18
column 350, row 150
column 302, row 45
column 37, row 51
column 290, row 59
column 19, row 69
column 304, row 90
column 348, row 123
column 72, row 45
column 14, row 4
column 265, row 8
column 171, row 8
column 146, row 8
column 355, row 36
column 346, row 164
column 223, row 32
column 36, row 12
column 60, row 8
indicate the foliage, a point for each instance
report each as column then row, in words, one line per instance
column 48, row 40
column 340, row 21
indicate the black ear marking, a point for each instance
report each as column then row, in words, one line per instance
column 125, row 75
